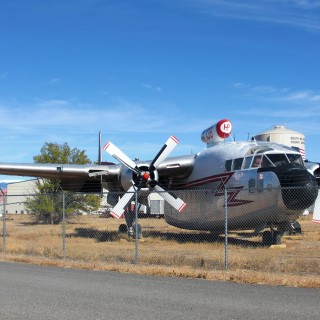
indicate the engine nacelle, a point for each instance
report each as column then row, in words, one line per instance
column 217, row 133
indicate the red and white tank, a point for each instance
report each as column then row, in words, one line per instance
column 217, row 133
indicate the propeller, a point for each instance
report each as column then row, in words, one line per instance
column 146, row 177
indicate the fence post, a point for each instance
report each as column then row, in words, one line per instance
column 4, row 232
column 226, row 228
column 136, row 227
column 63, row 226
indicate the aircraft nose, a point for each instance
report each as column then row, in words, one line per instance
column 299, row 187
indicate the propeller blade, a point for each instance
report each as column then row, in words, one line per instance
column 175, row 202
column 118, row 209
column 171, row 143
column 120, row 156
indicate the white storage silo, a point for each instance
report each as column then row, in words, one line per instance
column 280, row 134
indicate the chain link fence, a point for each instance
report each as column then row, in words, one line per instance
column 219, row 230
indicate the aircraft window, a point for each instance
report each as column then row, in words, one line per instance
column 237, row 163
column 266, row 163
column 259, row 149
column 247, row 162
column 228, row 165
column 261, row 162
column 257, row 161
column 295, row 158
column 278, row 159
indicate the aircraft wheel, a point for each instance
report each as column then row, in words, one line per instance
column 295, row 228
column 276, row 237
column 123, row 228
column 267, row 238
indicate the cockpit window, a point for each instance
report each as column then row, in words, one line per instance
column 259, row 149
column 263, row 161
column 295, row 158
column 257, row 161
column 278, row 159
column 228, row 165
column 237, row 163
column 247, row 162
column 234, row 164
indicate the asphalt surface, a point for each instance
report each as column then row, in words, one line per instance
column 33, row 292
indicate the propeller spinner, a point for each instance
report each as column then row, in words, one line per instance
column 145, row 176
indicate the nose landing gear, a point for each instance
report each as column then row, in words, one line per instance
column 273, row 237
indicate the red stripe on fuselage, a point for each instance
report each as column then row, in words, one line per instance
column 219, row 191
column 223, row 177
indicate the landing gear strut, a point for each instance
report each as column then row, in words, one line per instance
column 274, row 235
column 132, row 228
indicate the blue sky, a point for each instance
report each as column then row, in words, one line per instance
column 139, row 71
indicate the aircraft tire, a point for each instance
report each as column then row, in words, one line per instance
column 276, row 237
column 296, row 228
column 123, row 228
column 267, row 238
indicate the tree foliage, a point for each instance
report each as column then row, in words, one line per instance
column 62, row 154
column 46, row 205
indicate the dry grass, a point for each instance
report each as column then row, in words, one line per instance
column 94, row 243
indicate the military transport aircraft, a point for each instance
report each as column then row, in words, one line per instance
column 261, row 184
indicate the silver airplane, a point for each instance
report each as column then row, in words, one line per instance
column 263, row 184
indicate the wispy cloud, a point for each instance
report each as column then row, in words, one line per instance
column 272, row 93
column 151, row 87
column 53, row 81
column 307, row 95
column 300, row 108
column 27, row 127
column 72, row 115
column 301, row 14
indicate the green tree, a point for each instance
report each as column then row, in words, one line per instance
column 46, row 204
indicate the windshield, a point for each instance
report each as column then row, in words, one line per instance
column 276, row 160
column 263, row 161
column 295, row 158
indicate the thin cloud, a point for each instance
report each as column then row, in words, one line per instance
column 272, row 93
column 151, row 87
column 294, row 13
column 53, row 81
column 65, row 116
column 302, row 96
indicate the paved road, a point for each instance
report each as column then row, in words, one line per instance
column 33, row 292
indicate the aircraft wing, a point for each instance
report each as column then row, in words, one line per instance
column 73, row 177
column 88, row 178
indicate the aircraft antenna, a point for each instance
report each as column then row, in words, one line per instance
column 99, row 150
